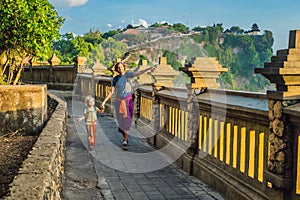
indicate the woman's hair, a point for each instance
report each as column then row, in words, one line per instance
column 117, row 64
column 89, row 99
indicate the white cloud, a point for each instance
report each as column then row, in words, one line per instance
column 122, row 21
column 143, row 22
column 140, row 22
column 109, row 25
column 70, row 3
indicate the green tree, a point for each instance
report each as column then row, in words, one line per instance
column 236, row 30
column 96, row 54
column 172, row 60
column 197, row 37
column 93, row 36
column 27, row 29
column 180, row 28
column 205, row 35
column 110, row 33
column 64, row 48
column 113, row 49
column 70, row 46
column 143, row 57
column 82, row 47
column 155, row 25
column 263, row 44
column 214, row 32
column 199, row 29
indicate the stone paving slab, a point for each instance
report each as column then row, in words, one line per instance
column 108, row 172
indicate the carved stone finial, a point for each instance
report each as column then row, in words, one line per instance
column 164, row 73
column 54, row 60
column 204, row 72
column 80, row 61
column 284, row 70
column 98, row 68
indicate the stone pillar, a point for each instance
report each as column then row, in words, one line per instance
column 137, row 105
column 164, row 73
column 203, row 72
column 156, row 109
column 284, row 71
column 193, row 119
column 79, row 63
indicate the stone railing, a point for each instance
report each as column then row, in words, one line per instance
column 245, row 145
column 56, row 77
column 228, row 149
column 40, row 176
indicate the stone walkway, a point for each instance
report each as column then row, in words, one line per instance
column 108, row 172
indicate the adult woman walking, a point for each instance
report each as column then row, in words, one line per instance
column 121, row 85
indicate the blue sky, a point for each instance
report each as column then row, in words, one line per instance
column 277, row 16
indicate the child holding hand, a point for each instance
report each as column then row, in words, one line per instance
column 90, row 116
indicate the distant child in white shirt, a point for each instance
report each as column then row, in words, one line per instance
column 90, row 116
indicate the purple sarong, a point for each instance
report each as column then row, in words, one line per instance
column 124, row 123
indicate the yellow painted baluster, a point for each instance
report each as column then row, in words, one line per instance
column 142, row 107
column 182, row 125
column 234, row 156
column 146, row 109
column 251, row 154
column 222, row 141
column 176, row 123
column 200, row 132
column 186, row 126
column 261, row 156
column 150, row 110
column 210, row 128
column 179, row 124
column 216, row 137
column 228, row 139
column 170, row 119
column 173, row 121
column 243, row 149
column 167, row 118
column 205, row 135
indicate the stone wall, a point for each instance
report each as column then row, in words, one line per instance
column 41, row 174
column 22, row 107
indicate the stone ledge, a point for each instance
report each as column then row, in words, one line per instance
column 41, row 174
column 279, row 182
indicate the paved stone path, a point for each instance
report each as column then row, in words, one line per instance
column 108, row 172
